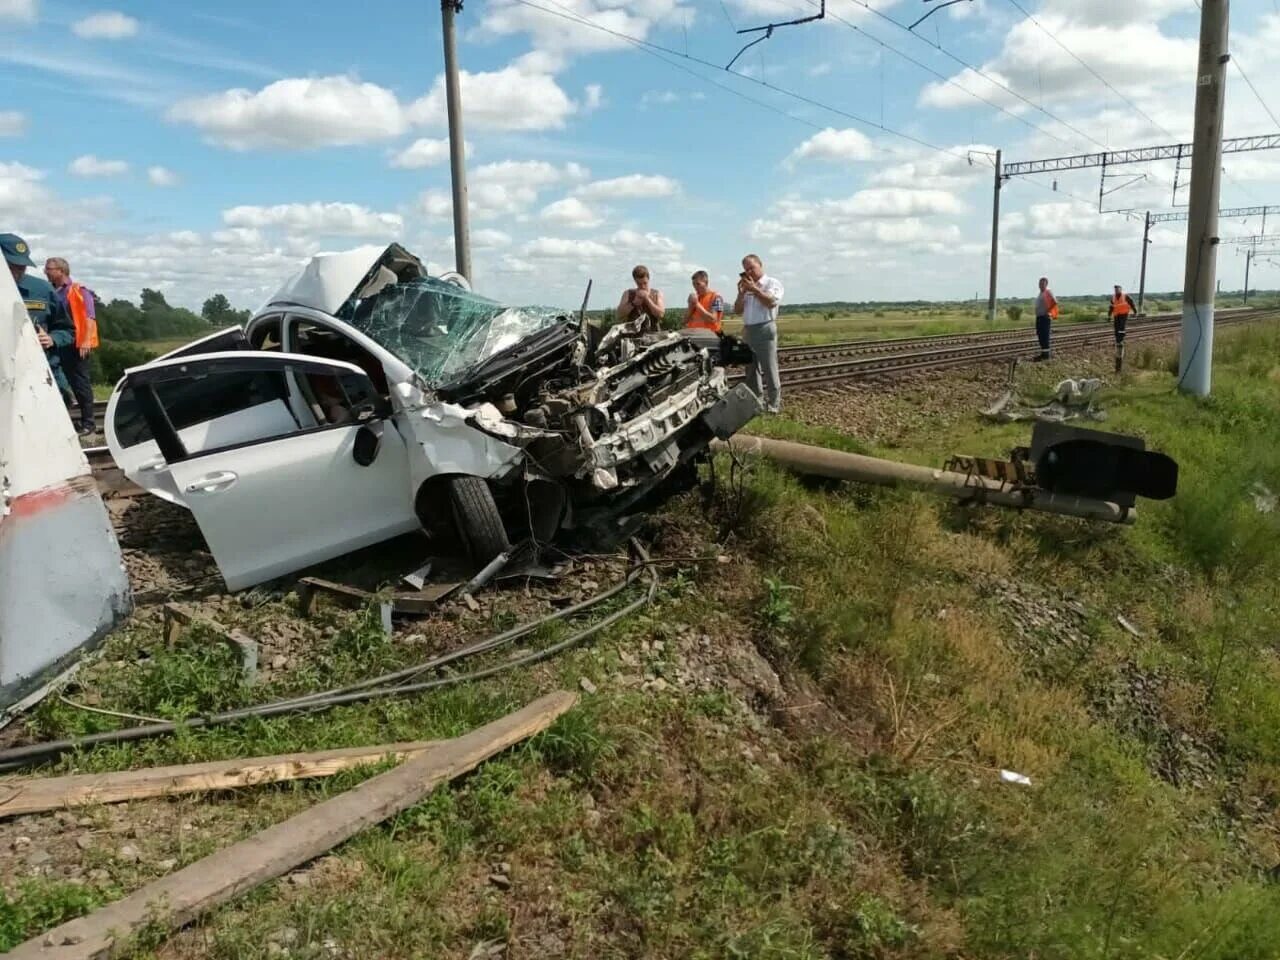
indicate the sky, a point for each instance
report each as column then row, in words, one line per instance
column 199, row 148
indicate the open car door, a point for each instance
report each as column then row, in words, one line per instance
column 273, row 491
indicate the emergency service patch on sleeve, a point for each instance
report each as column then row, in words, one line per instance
column 37, row 304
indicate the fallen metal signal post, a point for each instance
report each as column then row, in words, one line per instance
column 1066, row 470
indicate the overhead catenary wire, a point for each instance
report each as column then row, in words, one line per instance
column 1245, row 77
column 950, row 81
column 658, row 49
column 994, row 81
column 1105, row 82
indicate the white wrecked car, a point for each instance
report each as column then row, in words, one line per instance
column 367, row 399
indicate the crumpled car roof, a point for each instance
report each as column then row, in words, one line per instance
column 329, row 280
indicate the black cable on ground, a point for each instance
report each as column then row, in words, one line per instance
column 17, row 757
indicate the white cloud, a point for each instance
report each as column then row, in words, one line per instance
column 593, row 97
column 557, row 248
column 162, row 177
column 632, row 241
column 562, row 34
column 238, row 237
column 1030, row 61
column 894, row 202
column 21, row 190
column 298, row 113
column 571, row 212
column 319, row 219
column 508, row 188
column 18, row 11
column 107, row 25
column 487, row 239
column 940, row 171
column 523, row 95
column 91, row 166
column 421, row 153
column 528, row 173
column 12, row 123
column 186, row 238
column 1063, row 220
column 634, row 186
column 846, row 145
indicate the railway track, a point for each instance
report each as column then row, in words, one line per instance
column 923, row 357
column 842, row 348
column 863, row 359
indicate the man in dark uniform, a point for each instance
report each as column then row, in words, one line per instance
column 53, row 327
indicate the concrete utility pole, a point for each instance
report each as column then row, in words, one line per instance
column 1199, row 283
column 457, row 153
column 1146, row 242
column 995, row 245
column 1248, row 255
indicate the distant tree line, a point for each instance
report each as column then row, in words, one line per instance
column 124, row 327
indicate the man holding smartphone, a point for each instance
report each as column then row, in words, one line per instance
column 53, row 327
column 757, row 303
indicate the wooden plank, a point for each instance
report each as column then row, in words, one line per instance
column 37, row 794
column 182, row 896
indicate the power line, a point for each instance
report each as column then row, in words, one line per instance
column 977, row 70
column 1245, row 77
column 656, row 48
column 941, row 76
column 1105, row 82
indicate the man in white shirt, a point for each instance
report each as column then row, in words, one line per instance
column 758, row 299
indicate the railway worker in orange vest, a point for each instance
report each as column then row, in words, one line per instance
column 1119, row 309
column 706, row 307
column 79, row 303
column 1046, row 313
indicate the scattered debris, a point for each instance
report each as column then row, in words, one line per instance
column 1071, row 399
column 418, row 578
column 177, row 616
column 37, row 794
column 1129, row 627
column 1009, row 776
column 1264, row 501
column 178, row 898
column 587, row 686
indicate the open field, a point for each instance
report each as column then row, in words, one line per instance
column 804, row 324
column 796, row 754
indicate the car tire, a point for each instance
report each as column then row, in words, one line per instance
column 476, row 518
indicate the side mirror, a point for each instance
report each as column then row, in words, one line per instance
column 368, row 443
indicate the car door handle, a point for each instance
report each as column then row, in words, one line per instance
column 212, row 483
column 155, row 463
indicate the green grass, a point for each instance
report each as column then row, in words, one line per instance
column 861, row 816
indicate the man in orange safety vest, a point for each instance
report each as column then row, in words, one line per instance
column 79, row 303
column 1046, row 313
column 1119, row 310
column 706, row 307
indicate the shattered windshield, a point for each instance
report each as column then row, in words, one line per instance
column 440, row 329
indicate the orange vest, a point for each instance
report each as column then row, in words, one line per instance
column 86, row 327
column 1119, row 306
column 696, row 319
column 1053, row 305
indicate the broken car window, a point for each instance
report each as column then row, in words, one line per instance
column 439, row 329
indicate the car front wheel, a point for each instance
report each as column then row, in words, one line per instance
column 476, row 518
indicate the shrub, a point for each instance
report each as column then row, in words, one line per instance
column 1013, row 313
column 108, row 363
